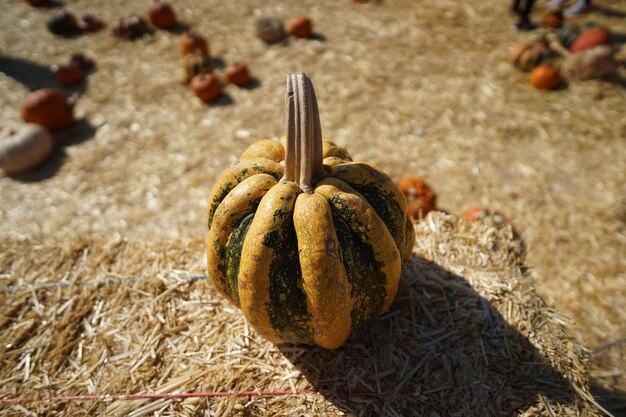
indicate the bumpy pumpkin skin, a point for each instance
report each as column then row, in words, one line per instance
column 307, row 267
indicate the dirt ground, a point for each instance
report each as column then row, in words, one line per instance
column 410, row 86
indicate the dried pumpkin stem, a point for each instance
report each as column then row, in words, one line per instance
column 303, row 161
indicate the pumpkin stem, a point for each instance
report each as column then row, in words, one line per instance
column 303, row 161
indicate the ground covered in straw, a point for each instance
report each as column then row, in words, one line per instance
column 467, row 335
column 410, row 86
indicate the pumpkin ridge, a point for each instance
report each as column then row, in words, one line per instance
column 364, row 222
column 381, row 193
column 324, row 278
column 234, row 175
column 270, row 287
column 239, row 203
column 232, row 257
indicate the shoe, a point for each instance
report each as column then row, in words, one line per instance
column 524, row 25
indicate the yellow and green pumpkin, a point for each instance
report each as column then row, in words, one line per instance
column 306, row 242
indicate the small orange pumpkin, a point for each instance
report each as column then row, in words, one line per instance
column 545, row 77
column 69, row 74
column 300, row 27
column 162, row 15
column 482, row 213
column 421, row 199
column 49, row 108
column 206, row 87
column 237, row 73
column 191, row 42
column 90, row 23
column 553, row 19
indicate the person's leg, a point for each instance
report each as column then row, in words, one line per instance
column 524, row 22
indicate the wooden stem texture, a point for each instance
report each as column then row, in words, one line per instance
column 303, row 160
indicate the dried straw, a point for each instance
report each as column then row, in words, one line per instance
column 467, row 335
column 412, row 87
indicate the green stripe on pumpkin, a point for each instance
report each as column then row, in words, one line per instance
column 376, row 188
column 287, row 309
column 232, row 258
column 363, row 270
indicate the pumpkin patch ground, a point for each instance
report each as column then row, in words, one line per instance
column 482, row 324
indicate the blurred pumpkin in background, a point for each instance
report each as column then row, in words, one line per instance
column 300, row 27
column 589, row 64
column 23, row 147
column 545, row 77
column 237, row 73
column 49, row 108
column 69, row 74
column 420, row 198
column 192, row 42
column 162, row 15
column 554, row 19
column 591, row 38
column 206, row 87
column 527, row 55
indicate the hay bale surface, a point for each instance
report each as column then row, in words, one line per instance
column 413, row 88
column 467, row 335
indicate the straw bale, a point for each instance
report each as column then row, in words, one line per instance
column 467, row 335
column 410, row 86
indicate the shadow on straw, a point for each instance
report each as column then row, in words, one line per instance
column 442, row 348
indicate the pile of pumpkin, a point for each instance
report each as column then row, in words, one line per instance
column 564, row 52
column 27, row 145
column 198, row 69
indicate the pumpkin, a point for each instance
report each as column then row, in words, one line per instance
column 567, row 34
column 131, row 27
column 83, row 61
column 527, row 55
column 307, row 252
column 49, row 108
column 300, row 27
column 162, row 15
column 195, row 64
column 23, row 147
column 482, row 213
column 590, row 38
column 553, row 19
column 545, row 77
column 90, row 23
column 62, row 23
column 69, row 74
column 421, row 199
column 597, row 62
column 237, row 73
column 192, row 42
column 206, row 87
column 270, row 29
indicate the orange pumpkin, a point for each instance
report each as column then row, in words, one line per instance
column 192, row 42
column 545, row 77
column 206, row 87
column 421, row 199
column 48, row 108
column 553, row 19
column 69, row 74
column 237, row 73
column 590, row 38
column 300, row 27
column 162, row 15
